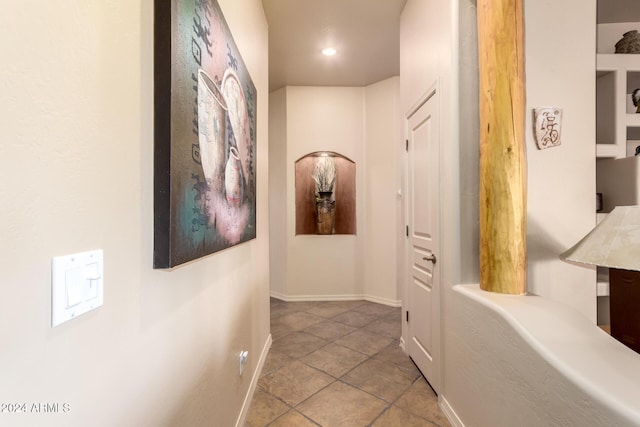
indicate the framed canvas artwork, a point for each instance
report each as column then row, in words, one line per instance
column 205, row 135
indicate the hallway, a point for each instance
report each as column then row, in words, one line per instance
column 339, row 363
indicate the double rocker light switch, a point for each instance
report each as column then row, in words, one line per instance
column 76, row 285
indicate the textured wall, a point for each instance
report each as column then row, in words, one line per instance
column 529, row 361
column 76, row 161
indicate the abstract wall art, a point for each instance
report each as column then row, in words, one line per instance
column 205, row 135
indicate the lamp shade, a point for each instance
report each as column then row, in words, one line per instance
column 615, row 242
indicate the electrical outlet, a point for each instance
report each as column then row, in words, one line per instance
column 244, row 355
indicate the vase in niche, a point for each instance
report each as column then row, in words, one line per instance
column 326, row 213
column 233, row 180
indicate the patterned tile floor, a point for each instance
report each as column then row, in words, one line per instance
column 338, row 364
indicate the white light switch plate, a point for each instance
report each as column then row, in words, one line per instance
column 76, row 285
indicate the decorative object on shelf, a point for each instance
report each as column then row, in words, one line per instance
column 635, row 97
column 637, row 150
column 205, row 135
column 629, row 43
column 548, row 126
column 325, row 194
column 324, row 175
column 615, row 243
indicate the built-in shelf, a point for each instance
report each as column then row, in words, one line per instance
column 617, row 76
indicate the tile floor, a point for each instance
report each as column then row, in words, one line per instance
column 338, row 364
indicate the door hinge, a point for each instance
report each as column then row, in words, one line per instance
column 407, row 231
column 407, row 315
column 406, row 141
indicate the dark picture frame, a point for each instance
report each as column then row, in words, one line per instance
column 204, row 135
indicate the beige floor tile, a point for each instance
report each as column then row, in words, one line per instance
column 297, row 321
column 394, row 354
column 295, row 382
column 354, row 318
column 275, row 360
column 420, row 400
column 396, row 417
column 328, row 309
column 293, row 419
column 341, row 405
column 334, row 359
column 329, row 330
column 384, row 380
column 264, row 409
column 280, row 330
column 364, row 342
column 374, row 309
column 386, row 326
column 281, row 309
column 298, row 344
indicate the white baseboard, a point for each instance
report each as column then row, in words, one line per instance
column 254, row 383
column 371, row 298
column 449, row 412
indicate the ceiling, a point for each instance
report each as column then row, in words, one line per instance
column 364, row 32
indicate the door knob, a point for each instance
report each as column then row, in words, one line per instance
column 431, row 258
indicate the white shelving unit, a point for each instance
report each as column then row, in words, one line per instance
column 617, row 135
column 618, row 126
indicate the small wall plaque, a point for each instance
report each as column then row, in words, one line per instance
column 548, row 126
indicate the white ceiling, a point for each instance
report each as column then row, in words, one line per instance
column 364, row 32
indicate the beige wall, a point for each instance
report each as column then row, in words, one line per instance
column 357, row 122
column 76, row 122
column 278, row 208
column 561, row 182
column 382, row 181
column 561, row 187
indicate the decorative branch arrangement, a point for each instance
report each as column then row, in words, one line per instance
column 324, row 174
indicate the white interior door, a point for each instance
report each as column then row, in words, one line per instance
column 423, row 205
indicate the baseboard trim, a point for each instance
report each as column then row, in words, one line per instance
column 449, row 412
column 371, row 298
column 242, row 418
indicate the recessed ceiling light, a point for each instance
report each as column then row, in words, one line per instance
column 329, row 51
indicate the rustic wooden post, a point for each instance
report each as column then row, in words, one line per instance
column 503, row 208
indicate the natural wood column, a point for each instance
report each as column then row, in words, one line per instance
column 503, row 208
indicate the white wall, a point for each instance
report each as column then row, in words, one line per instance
column 324, row 119
column 561, row 181
column 359, row 123
column 428, row 49
column 383, row 138
column 278, row 208
column 76, row 161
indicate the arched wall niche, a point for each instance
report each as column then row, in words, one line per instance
column 316, row 211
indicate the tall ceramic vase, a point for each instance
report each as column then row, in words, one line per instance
column 233, row 180
column 212, row 110
column 325, row 209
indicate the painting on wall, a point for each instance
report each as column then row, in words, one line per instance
column 325, row 194
column 205, row 135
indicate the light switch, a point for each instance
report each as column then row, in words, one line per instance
column 76, row 285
